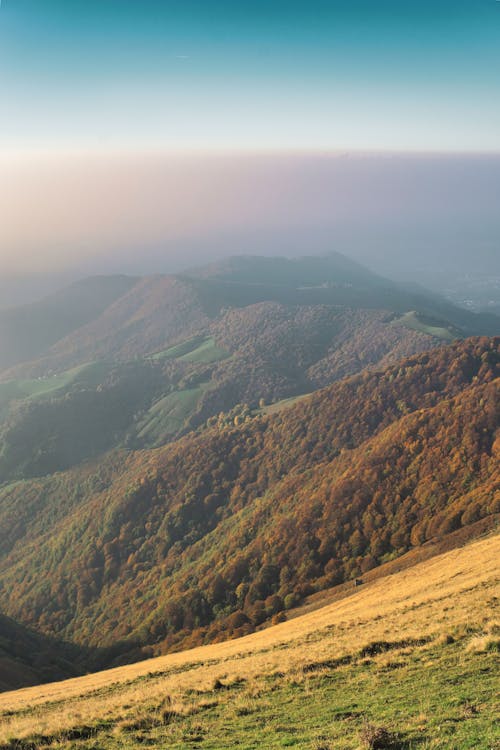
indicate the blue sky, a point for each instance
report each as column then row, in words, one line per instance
column 242, row 76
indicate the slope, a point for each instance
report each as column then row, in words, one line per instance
column 210, row 536
column 159, row 311
column 412, row 653
column 28, row 331
column 26, row 658
column 262, row 352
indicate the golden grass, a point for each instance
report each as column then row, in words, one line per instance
column 451, row 591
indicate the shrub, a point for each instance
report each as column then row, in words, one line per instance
column 376, row 738
column 291, row 600
column 278, row 617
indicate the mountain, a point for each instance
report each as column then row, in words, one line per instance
column 120, row 318
column 210, row 535
column 295, row 273
column 331, row 279
column 168, row 354
column 28, row 331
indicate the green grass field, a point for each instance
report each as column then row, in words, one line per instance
column 168, row 415
column 89, row 374
column 427, row 697
column 196, row 349
column 418, row 322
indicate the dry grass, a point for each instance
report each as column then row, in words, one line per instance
column 444, row 595
column 480, row 644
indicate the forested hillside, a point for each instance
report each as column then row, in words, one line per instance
column 261, row 353
column 210, row 535
column 27, row 658
column 120, row 318
column 113, row 362
column 30, row 330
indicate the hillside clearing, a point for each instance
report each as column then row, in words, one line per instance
column 423, row 324
column 197, row 349
column 89, row 374
column 168, row 415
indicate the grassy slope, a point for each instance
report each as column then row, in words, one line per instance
column 89, row 374
column 427, row 325
column 168, row 415
column 413, row 652
column 196, row 349
column 207, row 351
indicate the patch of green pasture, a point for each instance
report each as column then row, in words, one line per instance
column 196, row 349
column 168, row 415
column 178, row 350
column 418, row 322
column 89, row 373
column 207, row 351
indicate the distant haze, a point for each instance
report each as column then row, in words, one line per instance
column 155, row 213
column 148, row 136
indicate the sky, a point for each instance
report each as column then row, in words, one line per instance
column 259, row 74
column 158, row 132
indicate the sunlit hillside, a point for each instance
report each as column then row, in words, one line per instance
column 406, row 661
column 206, row 538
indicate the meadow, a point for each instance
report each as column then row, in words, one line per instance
column 405, row 661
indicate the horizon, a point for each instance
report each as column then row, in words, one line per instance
column 147, row 137
column 144, row 213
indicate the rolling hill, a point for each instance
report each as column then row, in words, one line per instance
column 145, row 361
column 120, row 318
column 266, row 351
column 28, row 331
column 210, row 536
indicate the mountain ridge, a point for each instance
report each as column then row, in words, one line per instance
column 157, row 311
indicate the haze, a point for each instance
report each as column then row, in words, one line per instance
column 146, row 136
column 158, row 213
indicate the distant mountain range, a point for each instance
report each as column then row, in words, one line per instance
column 119, row 317
column 139, row 362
